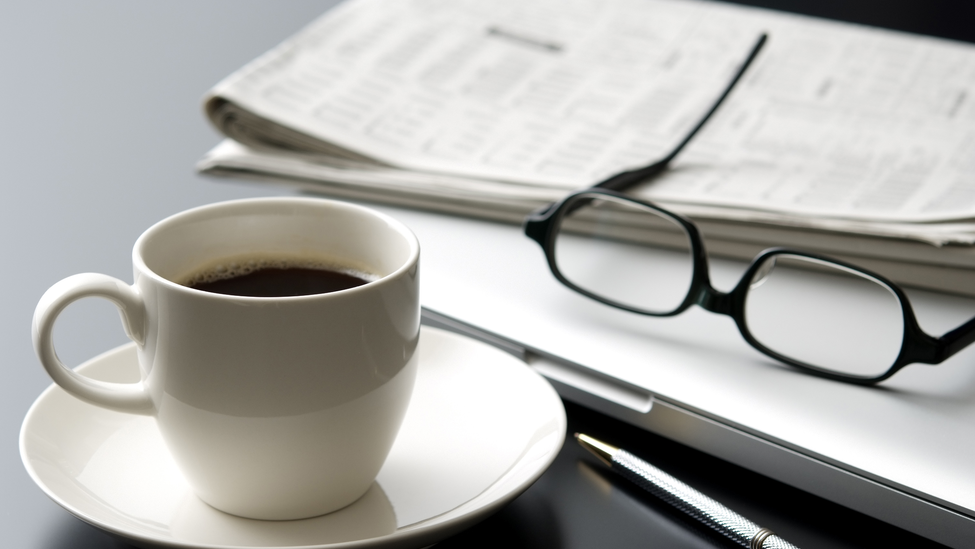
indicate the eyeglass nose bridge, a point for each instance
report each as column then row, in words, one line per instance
column 715, row 301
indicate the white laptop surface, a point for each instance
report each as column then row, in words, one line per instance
column 902, row 451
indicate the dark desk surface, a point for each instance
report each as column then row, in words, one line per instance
column 101, row 125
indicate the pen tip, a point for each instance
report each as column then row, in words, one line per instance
column 600, row 449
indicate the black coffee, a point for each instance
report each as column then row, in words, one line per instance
column 280, row 281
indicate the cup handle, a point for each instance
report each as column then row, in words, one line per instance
column 122, row 397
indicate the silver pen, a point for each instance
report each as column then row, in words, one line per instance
column 709, row 512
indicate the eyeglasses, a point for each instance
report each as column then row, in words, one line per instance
column 807, row 310
column 813, row 312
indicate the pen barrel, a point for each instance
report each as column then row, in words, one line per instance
column 709, row 512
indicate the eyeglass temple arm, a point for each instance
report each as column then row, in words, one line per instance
column 956, row 340
column 534, row 224
column 627, row 179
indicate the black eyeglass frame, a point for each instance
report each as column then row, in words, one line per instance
column 917, row 346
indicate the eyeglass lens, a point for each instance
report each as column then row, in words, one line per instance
column 601, row 247
column 824, row 315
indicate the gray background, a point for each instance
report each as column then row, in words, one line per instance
column 100, row 126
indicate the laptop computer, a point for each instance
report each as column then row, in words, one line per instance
column 900, row 451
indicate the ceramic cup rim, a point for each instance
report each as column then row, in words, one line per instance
column 256, row 204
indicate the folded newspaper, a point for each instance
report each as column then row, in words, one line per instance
column 846, row 140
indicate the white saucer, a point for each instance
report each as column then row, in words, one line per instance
column 481, row 428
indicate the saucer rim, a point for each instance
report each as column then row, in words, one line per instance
column 409, row 536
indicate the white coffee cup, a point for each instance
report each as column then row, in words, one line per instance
column 273, row 407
